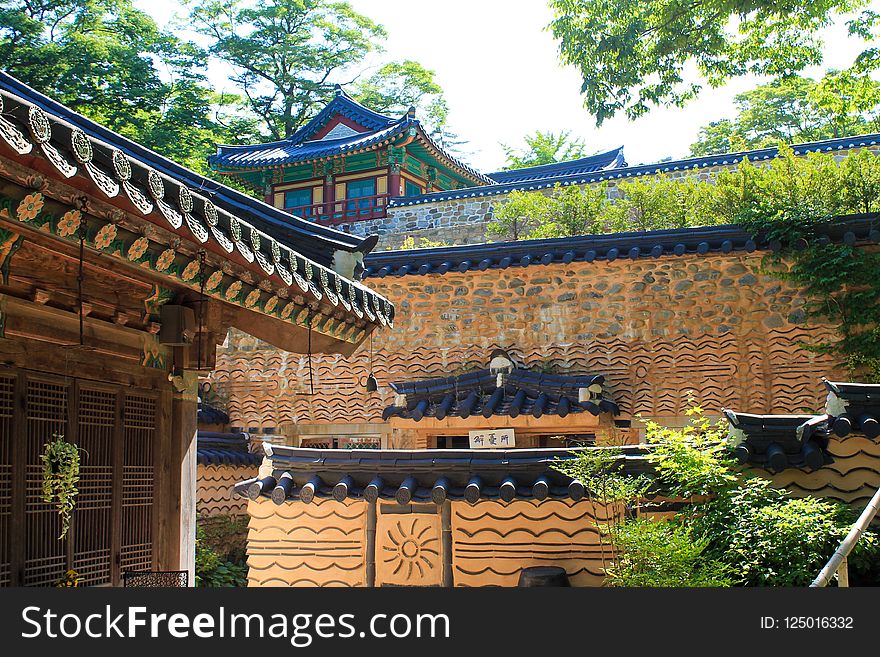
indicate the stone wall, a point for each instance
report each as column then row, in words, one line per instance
column 656, row 328
column 464, row 221
column 460, row 221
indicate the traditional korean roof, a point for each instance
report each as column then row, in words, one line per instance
column 613, row 173
column 315, row 242
column 207, row 414
column 612, row 159
column 487, row 393
column 709, row 240
column 777, row 442
column 379, row 131
column 855, row 407
column 279, row 252
column 425, row 475
column 225, row 449
column 343, row 105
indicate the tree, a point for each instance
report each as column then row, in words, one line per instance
column 796, row 109
column 632, row 54
column 718, row 137
column 397, row 86
column 544, row 148
column 287, row 54
column 564, row 212
column 103, row 58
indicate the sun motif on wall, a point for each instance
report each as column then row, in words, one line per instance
column 411, row 547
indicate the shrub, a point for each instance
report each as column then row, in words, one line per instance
column 664, row 553
column 738, row 529
column 212, row 570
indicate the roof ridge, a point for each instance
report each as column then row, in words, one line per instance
column 560, row 165
column 703, row 161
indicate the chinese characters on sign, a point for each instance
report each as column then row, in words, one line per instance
column 492, row 439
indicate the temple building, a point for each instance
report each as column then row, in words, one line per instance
column 120, row 274
column 346, row 164
column 371, row 174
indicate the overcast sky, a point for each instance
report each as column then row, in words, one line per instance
column 502, row 79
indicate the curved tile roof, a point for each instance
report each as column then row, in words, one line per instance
column 522, row 392
column 608, row 247
column 612, row 159
column 617, row 173
column 348, row 107
column 297, row 149
column 856, row 407
column 425, row 475
column 225, row 449
column 208, row 414
column 289, row 152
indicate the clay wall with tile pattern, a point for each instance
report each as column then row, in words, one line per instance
column 655, row 328
column 716, row 325
column 296, row 544
column 325, row 543
column 214, row 495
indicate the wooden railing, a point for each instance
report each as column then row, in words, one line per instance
column 838, row 562
column 344, row 210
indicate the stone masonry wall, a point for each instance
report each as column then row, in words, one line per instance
column 464, row 221
column 656, row 328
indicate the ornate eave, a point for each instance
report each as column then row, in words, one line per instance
column 142, row 218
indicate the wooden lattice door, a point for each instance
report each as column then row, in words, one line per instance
column 46, row 413
column 112, row 527
column 139, row 429
column 7, row 411
column 93, row 527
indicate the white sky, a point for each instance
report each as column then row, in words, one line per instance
column 502, row 79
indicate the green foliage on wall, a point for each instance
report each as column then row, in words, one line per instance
column 221, row 551
column 738, row 529
column 787, row 200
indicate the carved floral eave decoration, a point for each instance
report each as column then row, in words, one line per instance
column 344, row 307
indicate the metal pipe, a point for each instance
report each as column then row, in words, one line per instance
column 838, row 559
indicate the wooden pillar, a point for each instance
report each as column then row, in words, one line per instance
column 446, row 548
column 178, row 464
column 268, row 189
column 394, row 180
column 370, row 547
column 329, row 194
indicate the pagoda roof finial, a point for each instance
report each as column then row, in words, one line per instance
column 411, row 112
column 337, row 88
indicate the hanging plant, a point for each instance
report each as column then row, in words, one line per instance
column 60, row 476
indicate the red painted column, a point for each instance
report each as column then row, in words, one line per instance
column 394, row 180
column 329, row 195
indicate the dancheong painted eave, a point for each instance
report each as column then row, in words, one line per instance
column 210, row 218
column 316, row 242
column 620, row 173
column 852, row 229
